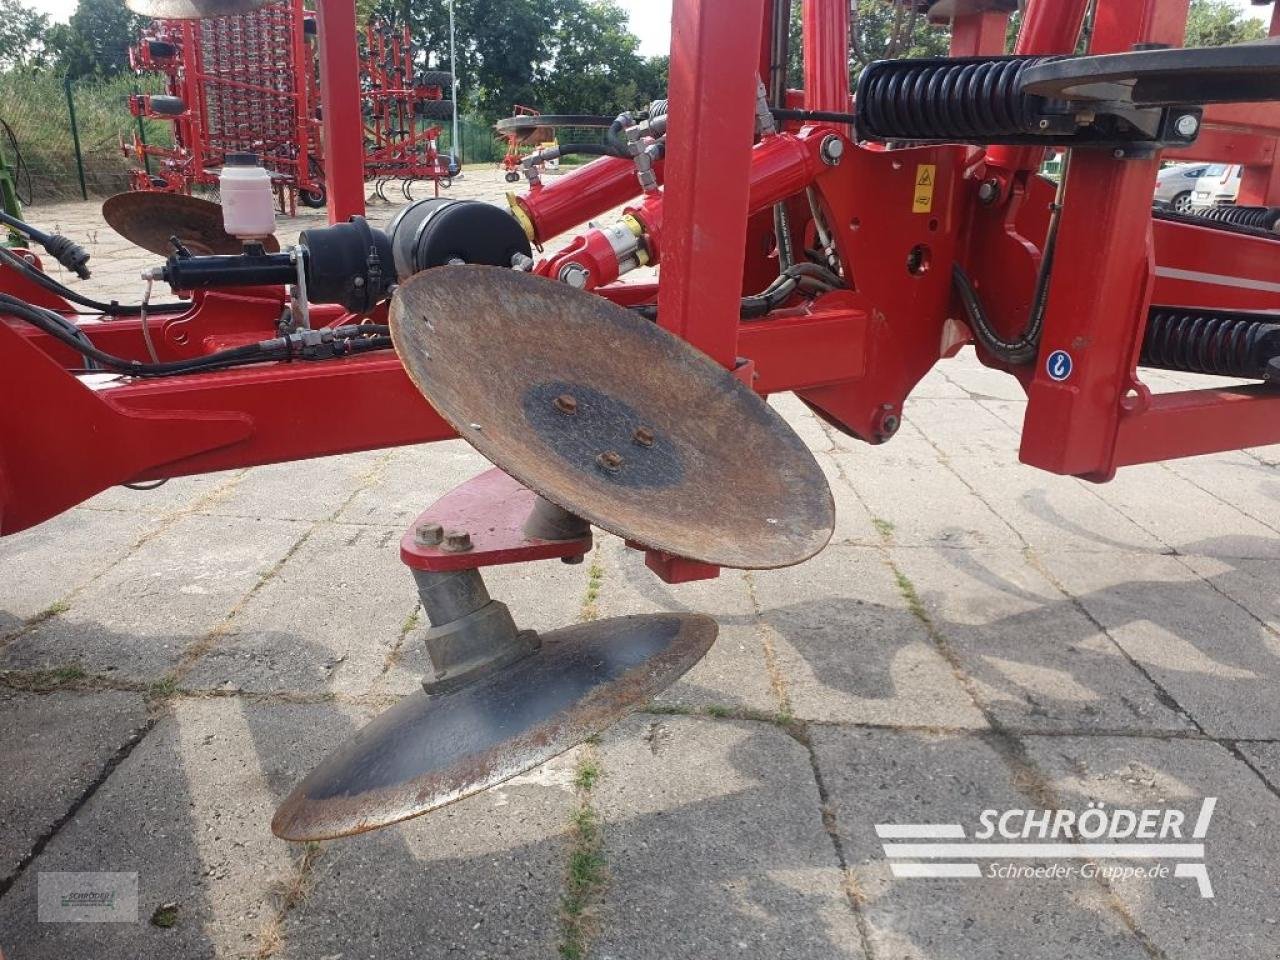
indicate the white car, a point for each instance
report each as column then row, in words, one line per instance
column 1176, row 185
column 1219, row 187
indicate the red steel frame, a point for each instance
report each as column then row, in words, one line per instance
column 853, row 355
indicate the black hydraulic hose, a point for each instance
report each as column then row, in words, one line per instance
column 278, row 349
column 1015, row 352
column 109, row 309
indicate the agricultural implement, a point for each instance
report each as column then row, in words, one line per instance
column 808, row 241
column 246, row 82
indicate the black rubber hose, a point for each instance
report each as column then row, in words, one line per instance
column 109, row 309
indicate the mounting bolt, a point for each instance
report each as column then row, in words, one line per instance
column 566, row 403
column 832, row 150
column 989, row 192
column 457, row 541
column 1187, row 125
column 889, row 425
column 610, row 460
column 575, row 275
column 429, row 534
column 643, row 436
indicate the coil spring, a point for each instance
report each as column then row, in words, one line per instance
column 973, row 99
column 1202, row 341
column 1259, row 218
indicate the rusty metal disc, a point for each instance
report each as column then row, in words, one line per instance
column 149, row 219
column 194, row 9
column 611, row 417
column 428, row 751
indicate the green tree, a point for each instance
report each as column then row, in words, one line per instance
column 556, row 55
column 592, row 64
column 96, row 40
column 22, row 32
column 1216, row 23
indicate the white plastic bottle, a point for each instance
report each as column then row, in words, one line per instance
column 248, row 205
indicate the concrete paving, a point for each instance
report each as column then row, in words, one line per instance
column 979, row 636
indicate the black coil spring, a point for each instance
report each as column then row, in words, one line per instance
column 970, row 99
column 1204, row 341
column 1259, row 218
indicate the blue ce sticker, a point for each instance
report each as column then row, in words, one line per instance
column 1059, row 365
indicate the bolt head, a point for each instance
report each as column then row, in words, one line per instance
column 989, row 192
column 575, row 275
column 1187, row 125
column 457, row 541
column 429, row 534
column 610, row 460
column 643, row 436
column 890, row 424
column 566, row 403
column 832, row 150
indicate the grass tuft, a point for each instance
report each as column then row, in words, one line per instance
column 165, row 916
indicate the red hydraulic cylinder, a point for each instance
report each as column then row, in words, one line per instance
column 548, row 211
column 340, row 99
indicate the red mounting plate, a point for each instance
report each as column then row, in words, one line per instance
column 492, row 509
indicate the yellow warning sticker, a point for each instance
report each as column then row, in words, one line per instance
column 926, row 179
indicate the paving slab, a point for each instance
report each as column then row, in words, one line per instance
column 1186, row 517
column 69, row 738
column 735, row 672
column 44, row 564
column 959, row 427
column 1238, row 479
column 1211, row 654
column 327, row 621
column 189, row 810
column 1036, row 660
column 178, row 494
column 479, row 879
column 411, row 480
column 306, row 490
column 136, row 620
column 905, row 487
column 1265, row 756
column 715, row 846
column 1242, row 846
column 849, row 649
column 898, row 777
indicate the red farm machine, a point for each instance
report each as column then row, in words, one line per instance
column 247, row 83
column 821, row 241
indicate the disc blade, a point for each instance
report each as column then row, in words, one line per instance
column 428, row 751
column 716, row 476
column 194, row 9
column 149, row 219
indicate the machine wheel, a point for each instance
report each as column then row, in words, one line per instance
column 513, row 176
column 437, row 109
column 167, row 106
column 315, row 199
column 1181, row 203
column 435, row 78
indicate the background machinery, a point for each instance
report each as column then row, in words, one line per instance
column 247, row 82
column 808, row 240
